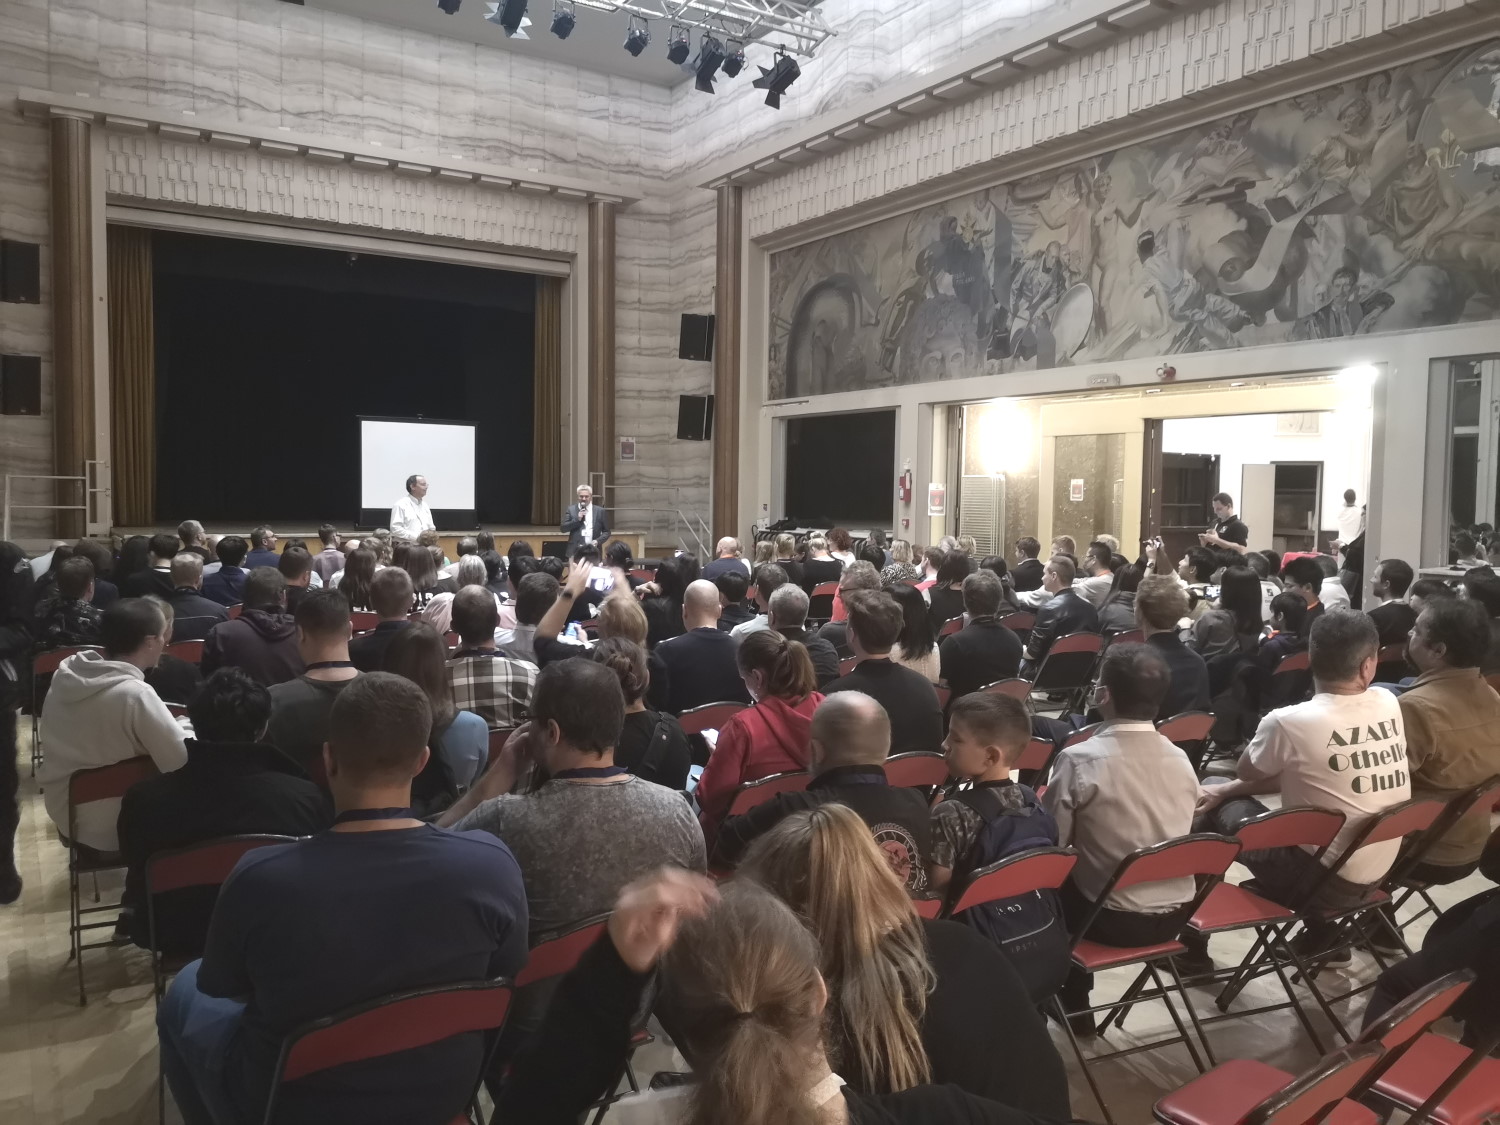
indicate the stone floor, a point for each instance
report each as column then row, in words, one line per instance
column 60, row 1063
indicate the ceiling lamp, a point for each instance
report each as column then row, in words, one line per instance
column 563, row 19
column 710, row 55
column 511, row 16
column 734, row 61
column 449, row 6
column 638, row 36
column 775, row 80
column 678, row 45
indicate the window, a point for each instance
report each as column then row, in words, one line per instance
column 1473, row 484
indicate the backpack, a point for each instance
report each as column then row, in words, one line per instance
column 1029, row 928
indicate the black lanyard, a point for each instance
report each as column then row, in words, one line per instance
column 590, row 771
column 372, row 814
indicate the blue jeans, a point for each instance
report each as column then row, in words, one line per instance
column 195, row 1032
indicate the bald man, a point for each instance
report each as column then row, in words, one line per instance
column 727, row 556
column 851, row 737
column 701, row 665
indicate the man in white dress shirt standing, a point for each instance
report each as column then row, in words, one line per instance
column 411, row 516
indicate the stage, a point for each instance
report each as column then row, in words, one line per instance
column 536, row 536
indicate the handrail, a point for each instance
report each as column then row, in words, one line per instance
column 93, row 472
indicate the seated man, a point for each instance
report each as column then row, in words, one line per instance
column 262, row 640
column 858, row 576
column 226, row 585
column 70, row 617
column 1062, row 613
column 1160, row 603
column 234, row 783
column 100, row 710
column 157, row 578
column 193, row 614
column 300, row 708
column 1343, row 750
column 330, row 560
column 769, row 577
column 496, row 687
column 788, row 616
column 390, row 598
column 1124, row 789
column 701, row 665
column 851, row 738
column 1331, row 590
column 262, row 548
column 1393, row 617
column 296, row 567
column 984, row 650
column 1304, row 577
column 535, row 594
column 194, row 539
column 727, row 557
column 1098, row 566
column 379, row 903
column 733, row 585
column 592, row 827
column 1028, row 572
column 875, row 623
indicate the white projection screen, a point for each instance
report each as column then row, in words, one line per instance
column 392, row 449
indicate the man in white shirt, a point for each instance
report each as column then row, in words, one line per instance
column 1350, row 519
column 768, row 579
column 411, row 516
column 1332, row 593
column 1095, row 588
column 1344, row 750
column 584, row 523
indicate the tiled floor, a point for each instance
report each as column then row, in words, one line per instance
column 63, row 1064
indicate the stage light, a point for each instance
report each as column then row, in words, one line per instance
column 1360, row 376
column 678, row 45
column 511, row 16
column 449, row 6
column 638, row 36
column 563, row 20
column 734, row 62
column 710, row 55
column 775, row 79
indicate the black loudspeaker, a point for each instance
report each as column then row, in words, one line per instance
column 697, row 338
column 695, row 417
column 20, row 272
column 20, row 384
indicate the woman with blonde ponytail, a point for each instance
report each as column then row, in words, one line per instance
column 743, row 998
column 911, row 1001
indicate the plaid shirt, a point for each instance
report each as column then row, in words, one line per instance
column 493, row 686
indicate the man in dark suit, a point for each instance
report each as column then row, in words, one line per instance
column 1027, row 573
column 585, row 523
column 984, row 650
column 193, row 614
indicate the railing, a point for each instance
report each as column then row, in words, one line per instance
column 662, row 512
column 95, row 481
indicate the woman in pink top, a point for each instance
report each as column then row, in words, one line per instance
column 770, row 737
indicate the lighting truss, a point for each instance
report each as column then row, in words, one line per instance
column 795, row 26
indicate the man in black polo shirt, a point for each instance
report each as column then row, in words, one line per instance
column 701, row 666
column 851, row 737
column 875, row 622
column 1160, row 603
column 1228, row 530
column 1393, row 617
column 984, row 650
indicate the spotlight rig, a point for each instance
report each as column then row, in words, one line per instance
column 734, row 61
column 511, row 16
column 678, row 45
column 563, row 19
column 775, row 79
column 638, row 36
column 710, row 55
column 449, row 6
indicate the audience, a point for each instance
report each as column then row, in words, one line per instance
column 1028, row 571
column 769, row 578
column 419, row 563
column 135, row 556
column 468, row 571
column 946, row 597
column 850, row 740
column 727, row 557
column 69, row 617
column 193, row 614
column 819, row 566
column 900, row 570
column 875, row 622
column 733, row 586
column 1304, row 577
column 226, row 585
column 1425, row 591
column 262, row 548
column 1062, row 613
column 467, row 545
column 492, row 683
column 700, row 662
column 1122, row 789
column 300, row 707
column 841, row 545
column 859, row 576
column 103, row 560
column 1117, row 612
column 157, row 577
column 99, row 710
column 1098, row 566
column 784, row 556
column 1160, row 604
column 460, row 739
column 194, row 540
column 1232, row 627
column 262, row 640
column 652, row 744
column 330, row 560
column 917, row 646
column 663, row 598
column 390, row 597
column 536, row 593
column 173, row 679
column 788, row 616
column 770, row 737
column 984, row 650
column 233, row 783
column 1331, row 590
column 380, row 903
column 1393, row 617
column 1064, row 545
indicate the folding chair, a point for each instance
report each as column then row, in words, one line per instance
column 847, row 665
column 1127, row 637
column 401, row 1021
column 1204, row 856
column 944, row 695
column 1015, row 687
column 235, row 610
column 951, row 626
column 363, row 621
column 1189, row 732
column 709, row 716
column 1441, row 1081
column 1042, row 869
column 1250, row 1092
column 820, row 601
column 44, row 664
column 1082, row 734
column 1020, row 623
column 1037, row 755
column 1478, row 802
column 758, row 792
column 1291, row 682
column 1390, row 664
column 191, row 651
column 103, row 783
column 918, row 769
column 1068, row 668
column 498, row 736
column 929, row 906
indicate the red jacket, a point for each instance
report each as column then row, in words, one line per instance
column 771, row 737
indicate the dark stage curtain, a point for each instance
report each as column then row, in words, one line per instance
column 546, row 474
column 132, row 376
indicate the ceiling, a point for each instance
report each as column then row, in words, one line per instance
column 595, row 44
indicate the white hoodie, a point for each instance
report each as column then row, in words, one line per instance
column 99, row 712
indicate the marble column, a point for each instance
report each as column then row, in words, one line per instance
column 601, row 363
column 72, row 315
column 727, row 293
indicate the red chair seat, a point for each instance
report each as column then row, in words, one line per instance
column 1224, row 1095
column 1092, row 956
column 1413, row 1077
column 1230, row 907
column 1374, row 897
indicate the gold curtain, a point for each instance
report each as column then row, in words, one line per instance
column 546, row 417
column 132, row 377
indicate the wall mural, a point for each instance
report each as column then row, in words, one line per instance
column 1372, row 206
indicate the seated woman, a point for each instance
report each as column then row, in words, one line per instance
column 1117, row 614
column 911, row 1000
column 770, row 737
column 652, row 745
column 917, row 647
column 1232, row 627
column 742, row 993
column 460, row 740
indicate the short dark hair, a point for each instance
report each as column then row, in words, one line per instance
column 323, row 613
column 259, row 536
column 875, row 619
column 584, row 700
column 1484, row 589
column 551, row 564
column 535, row 594
column 1222, row 498
column 1258, row 563
column 327, row 533
column 264, row 588
column 127, row 623
column 618, row 554
column 1431, row 590
column 982, row 594
column 998, row 719
column 769, row 577
column 232, row 550
column 734, row 585
column 1293, row 610
column 294, row 563
column 1397, row 574
column 1328, row 565
column 1303, row 572
column 1463, row 544
column 74, row 576
column 1462, row 627
column 164, row 546
column 474, row 615
column 412, row 480
column 229, row 706
column 1101, row 554
column 995, row 564
column 1348, row 492
column 1137, row 678
column 485, row 540
column 467, row 545
column 379, row 725
column 954, row 568
column 1339, row 641
column 390, row 592
column 1029, row 546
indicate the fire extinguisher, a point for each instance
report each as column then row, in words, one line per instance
column 903, row 487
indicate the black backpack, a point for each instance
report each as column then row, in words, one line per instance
column 1030, row 927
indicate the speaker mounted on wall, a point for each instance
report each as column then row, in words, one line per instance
column 20, row 384
column 20, row 272
column 696, row 340
column 695, row 417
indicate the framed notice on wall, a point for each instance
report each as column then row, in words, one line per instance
column 937, row 499
column 1075, row 489
column 627, row 449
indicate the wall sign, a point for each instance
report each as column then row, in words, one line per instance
column 1075, row 489
column 627, row 449
column 937, row 499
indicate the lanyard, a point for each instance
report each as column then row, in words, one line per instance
column 372, row 814
column 590, row 771
column 329, row 664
